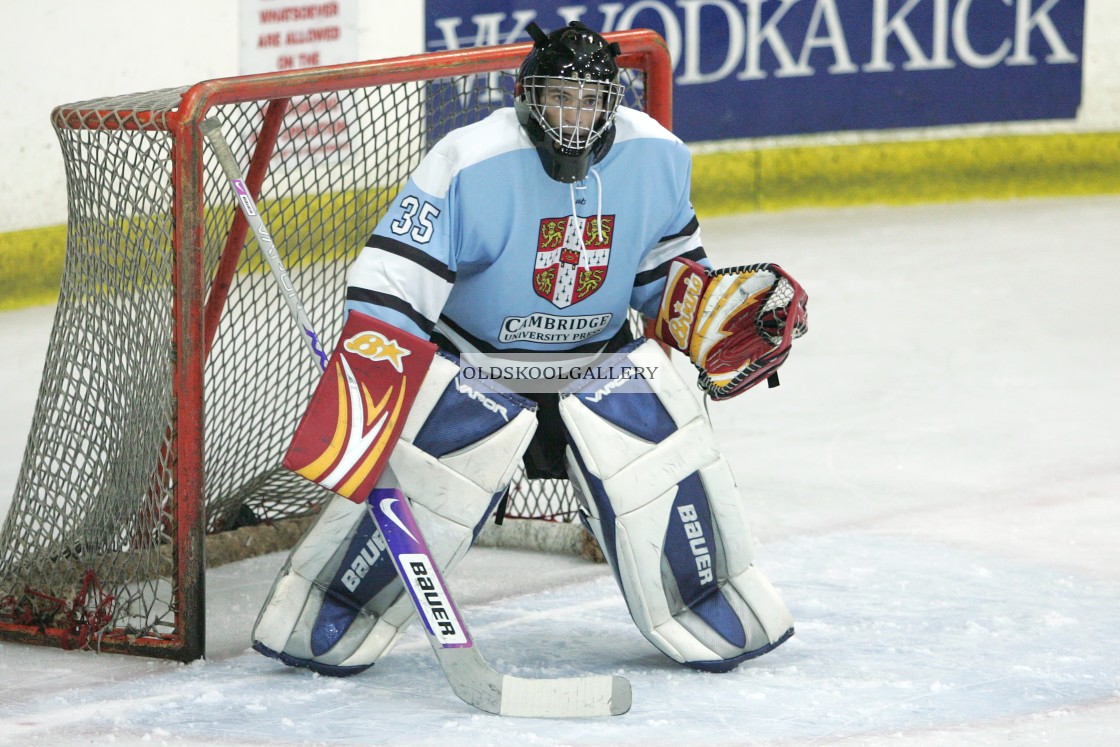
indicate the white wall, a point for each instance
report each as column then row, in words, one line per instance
column 62, row 51
column 1100, row 104
column 69, row 50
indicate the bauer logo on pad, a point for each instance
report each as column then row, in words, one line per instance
column 359, row 406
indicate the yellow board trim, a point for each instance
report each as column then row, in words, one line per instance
column 899, row 173
column 31, row 266
column 743, row 181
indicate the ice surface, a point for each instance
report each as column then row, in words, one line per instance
column 933, row 487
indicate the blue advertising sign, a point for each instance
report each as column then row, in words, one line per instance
column 753, row 68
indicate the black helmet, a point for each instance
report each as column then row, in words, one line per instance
column 566, row 97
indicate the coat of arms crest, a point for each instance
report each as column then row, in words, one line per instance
column 572, row 256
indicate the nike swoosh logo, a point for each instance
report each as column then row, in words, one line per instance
column 387, row 509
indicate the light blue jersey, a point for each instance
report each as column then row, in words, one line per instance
column 482, row 248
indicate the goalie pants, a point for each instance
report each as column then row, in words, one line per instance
column 545, row 459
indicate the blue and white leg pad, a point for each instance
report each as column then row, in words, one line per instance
column 663, row 503
column 337, row 604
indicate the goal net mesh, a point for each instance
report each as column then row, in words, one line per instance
column 89, row 550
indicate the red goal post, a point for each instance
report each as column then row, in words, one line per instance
column 174, row 377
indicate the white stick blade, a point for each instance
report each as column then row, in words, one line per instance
column 569, row 697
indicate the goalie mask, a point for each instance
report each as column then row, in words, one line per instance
column 567, row 94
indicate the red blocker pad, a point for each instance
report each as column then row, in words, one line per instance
column 359, row 406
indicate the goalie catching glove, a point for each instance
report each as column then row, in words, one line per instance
column 735, row 324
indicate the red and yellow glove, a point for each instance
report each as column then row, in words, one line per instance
column 735, row 324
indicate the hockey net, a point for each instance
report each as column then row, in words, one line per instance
column 174, row 376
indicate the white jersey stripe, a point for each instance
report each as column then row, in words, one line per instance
column 426, row 291
column 667, row 250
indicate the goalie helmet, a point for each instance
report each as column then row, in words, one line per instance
column 567, row 94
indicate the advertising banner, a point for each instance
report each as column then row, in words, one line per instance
column 290, row 35
column 277, row 35
column 754, row 68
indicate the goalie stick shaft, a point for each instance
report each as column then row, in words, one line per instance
column 212, row 129
column 470, row 677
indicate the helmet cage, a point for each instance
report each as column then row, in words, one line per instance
column 573, row 112
column 566, row 97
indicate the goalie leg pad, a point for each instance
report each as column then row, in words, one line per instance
column 338, row 604
column 663, row 504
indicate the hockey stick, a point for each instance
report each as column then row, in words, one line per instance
column 470, row 677
column 212, row 129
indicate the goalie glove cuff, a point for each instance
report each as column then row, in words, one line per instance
column 680, row 303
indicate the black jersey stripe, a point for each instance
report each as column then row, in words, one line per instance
column 389, row 301
column 659, row 272
column 692, row 227
column 412, row 254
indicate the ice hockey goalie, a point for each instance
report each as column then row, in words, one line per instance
column 536, row 231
